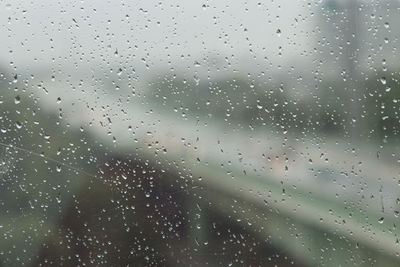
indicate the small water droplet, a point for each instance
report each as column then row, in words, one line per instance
column 196, row 79
column 18, row 125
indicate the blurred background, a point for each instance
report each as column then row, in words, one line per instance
column 206, row 133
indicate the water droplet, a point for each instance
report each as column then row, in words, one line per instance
column 381, row 220
column 383, row 80
column 18, row 125
column 196, row 79
column 17, row 99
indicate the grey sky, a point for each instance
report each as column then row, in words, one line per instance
column 68, row 33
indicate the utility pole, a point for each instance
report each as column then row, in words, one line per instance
column 342, row 31
column 351, row 52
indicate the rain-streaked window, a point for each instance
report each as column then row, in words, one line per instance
column 210, row 133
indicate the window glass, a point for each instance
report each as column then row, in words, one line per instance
column 211, row 133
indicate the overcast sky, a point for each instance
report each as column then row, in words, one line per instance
column 153, row 33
